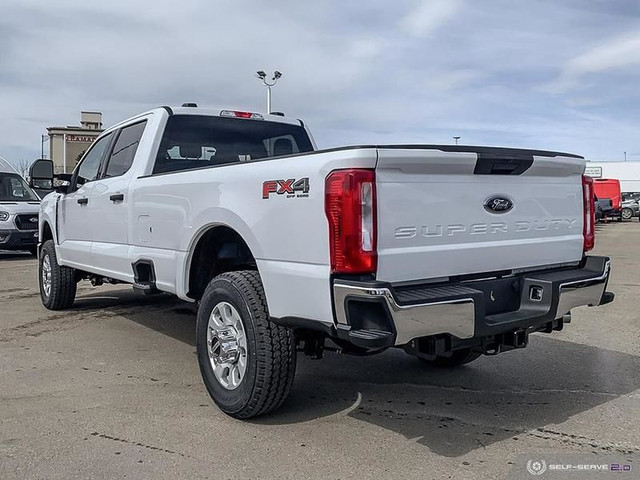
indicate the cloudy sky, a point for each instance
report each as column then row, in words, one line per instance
column 553, row 74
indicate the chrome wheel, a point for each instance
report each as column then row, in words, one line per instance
column 46, row 275
column 627, row 213
column 227, row 345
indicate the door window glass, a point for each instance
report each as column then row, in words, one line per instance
column 125, row 149
column 90, row 164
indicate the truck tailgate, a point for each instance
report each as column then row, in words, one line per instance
column 475, row 210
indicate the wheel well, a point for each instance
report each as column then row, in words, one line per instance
column 47, row 234
column 221, row 249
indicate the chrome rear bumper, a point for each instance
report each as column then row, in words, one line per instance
column 466, row 310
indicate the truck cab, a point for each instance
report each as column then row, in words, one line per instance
column 19, row 206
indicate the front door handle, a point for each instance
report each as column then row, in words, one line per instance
column 118, row 197
column 83, row 201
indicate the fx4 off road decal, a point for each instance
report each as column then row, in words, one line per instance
column 292, row 188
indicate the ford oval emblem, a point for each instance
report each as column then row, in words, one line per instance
column 498, row 205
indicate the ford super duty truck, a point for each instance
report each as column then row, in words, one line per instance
column 287, row 248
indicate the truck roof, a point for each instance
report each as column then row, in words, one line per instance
column 6, row 167
column 211, row 112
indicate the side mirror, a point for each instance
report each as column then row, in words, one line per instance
column 63, row 182
column 41, row 174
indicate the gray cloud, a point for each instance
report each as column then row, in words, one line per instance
column 549, row 74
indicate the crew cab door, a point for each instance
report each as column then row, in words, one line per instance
column 75, row 234
column 110, row 205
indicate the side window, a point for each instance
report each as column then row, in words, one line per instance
column 125, row 150
column 90, row 164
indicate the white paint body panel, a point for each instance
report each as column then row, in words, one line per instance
column 432, row 222
column 163, row 216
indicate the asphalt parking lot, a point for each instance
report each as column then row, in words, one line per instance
column 111, row 389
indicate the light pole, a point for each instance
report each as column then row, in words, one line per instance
column 43, row 140
column 456, row 138
column 268, row 83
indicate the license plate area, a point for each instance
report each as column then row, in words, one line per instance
column 501, row 295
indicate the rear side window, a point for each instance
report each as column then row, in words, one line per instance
column 193, row 141
column 125, row 149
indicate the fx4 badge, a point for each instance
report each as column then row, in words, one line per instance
column 291, row 188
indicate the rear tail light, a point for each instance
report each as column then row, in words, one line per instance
column 350, row 205
column 588, row 229
column 234, row 113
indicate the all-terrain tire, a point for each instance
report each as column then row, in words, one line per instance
column 457, row 358
column 270, row 351
column 61, row 291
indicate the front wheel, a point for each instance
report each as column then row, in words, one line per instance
column 457, row 358
column 247, row 362
column 57, row 283
column 627, row 214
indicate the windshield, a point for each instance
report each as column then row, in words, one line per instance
column 13, row 188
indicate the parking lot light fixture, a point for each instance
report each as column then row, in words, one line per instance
column 268, row 83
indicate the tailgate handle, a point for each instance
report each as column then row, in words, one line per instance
column 494, row 164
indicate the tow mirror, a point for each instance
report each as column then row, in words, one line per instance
column 41, row 176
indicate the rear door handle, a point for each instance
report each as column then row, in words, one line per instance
column 118, row 197
column 83, row 201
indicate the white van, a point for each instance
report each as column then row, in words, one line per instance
column 19, row 206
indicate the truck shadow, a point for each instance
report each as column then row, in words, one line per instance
column 10, row 255
column 452, row 412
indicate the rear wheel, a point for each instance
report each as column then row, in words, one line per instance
column 247, row 362
column 57, row 283
column 457, row 358
column 627, row 214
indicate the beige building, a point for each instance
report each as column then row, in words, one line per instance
column 68, row 144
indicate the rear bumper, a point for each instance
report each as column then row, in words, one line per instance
column 18, row 239
column 466, row 310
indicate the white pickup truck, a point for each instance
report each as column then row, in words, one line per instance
column 448, row 252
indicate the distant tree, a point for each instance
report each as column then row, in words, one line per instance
column 79, row 157
column 23, row 167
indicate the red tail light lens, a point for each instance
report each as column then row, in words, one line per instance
column 588, row 229
column 350, row 205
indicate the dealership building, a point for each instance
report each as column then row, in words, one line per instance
column 68, row 144
column 627, row 172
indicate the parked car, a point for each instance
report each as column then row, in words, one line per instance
column 631, row 196
column 630, row 209
column 19, row 206
column 610, row 188
column 448, row 252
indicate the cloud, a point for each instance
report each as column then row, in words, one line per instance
column 356, row 72
column 612, row 55
column 428, row 15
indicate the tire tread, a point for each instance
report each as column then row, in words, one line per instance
column 275, row 352
column 63, row 281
